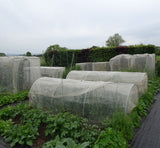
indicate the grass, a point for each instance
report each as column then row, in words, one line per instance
column 157, row 58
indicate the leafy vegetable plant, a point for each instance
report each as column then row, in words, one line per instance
column 11, row 98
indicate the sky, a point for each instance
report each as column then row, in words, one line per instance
column 34, row 25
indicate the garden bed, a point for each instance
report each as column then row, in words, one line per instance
column 23, row 126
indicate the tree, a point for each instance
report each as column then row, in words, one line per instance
column 2, row 54
column 115, row 40
column 55, row 47
column 28, row 54
column 50, row 52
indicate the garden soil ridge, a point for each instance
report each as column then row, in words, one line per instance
column 148, row 136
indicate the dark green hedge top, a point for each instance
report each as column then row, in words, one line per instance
column 94, row 54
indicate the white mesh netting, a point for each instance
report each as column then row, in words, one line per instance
column 94, row 100
column 85, row 66
column 100, row 66
column 55, row 72
column 137, row 78
column 138, row 62
column 95, row 66
column 18, row 73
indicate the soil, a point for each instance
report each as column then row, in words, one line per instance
column 41, row 139
column 17, row 120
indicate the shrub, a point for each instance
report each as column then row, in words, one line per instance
column 2, row 54
column 28, row 54
column 158, row 68
column 94, row 54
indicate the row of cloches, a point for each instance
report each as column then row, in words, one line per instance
column 90, row 94
column 18, row 73
column 123, row 62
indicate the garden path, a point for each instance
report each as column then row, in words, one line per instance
column 148, row 136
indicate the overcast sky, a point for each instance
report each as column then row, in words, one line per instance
column 33, row 25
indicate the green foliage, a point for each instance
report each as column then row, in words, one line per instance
column 157, row 51
column 56, row 47
column 122, row 123
column 157, row 58
column 110, row 138
column 5, row 125
column 11, row 98
column 115, row 40
column 11, row 112
column 94, row 54
column 22, row 134
column 28, row 53
column 68, row 69
column 25, row 132
column 102, row 54
column 158, row 68
column 136, row 118
column 51, row 53
column 42, row 61
column 146, row 99
column 68, row 125
column 2, row 54
column 64, row 125
column 64, row 143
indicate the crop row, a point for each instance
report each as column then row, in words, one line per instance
column 59, row 127
column 11, row 98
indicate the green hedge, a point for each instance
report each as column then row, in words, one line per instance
column 94, row 54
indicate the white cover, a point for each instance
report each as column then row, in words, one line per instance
column 94, row 66
column 137, row 78
column 94, row 100
column 100, row 66
column 18, row 73
column 85, row 66
column 55, row 72
column 138, row 62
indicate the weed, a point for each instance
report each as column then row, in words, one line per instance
column 110, row 138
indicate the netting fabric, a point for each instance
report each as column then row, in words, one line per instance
column 138, row 78
column 138, row 62
column 93, row 100
column 18, row 73
column 55, row 72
